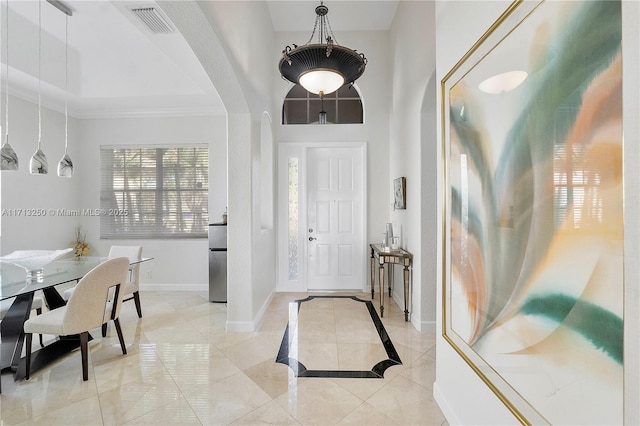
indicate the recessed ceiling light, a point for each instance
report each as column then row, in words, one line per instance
column 503, row 83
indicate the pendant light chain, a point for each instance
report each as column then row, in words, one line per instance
column 39, row 77
column 66, row 82
column 6, row 83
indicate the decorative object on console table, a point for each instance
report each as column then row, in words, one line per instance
column 525, row 301
column 400, row 193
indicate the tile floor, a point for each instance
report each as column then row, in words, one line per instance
column 182, row 367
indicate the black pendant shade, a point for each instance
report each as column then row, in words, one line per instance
column 323, row 67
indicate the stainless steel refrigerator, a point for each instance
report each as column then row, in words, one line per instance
column 218, row 262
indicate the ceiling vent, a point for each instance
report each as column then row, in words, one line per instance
column 153, row 19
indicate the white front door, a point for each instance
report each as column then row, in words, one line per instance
column 335, row 218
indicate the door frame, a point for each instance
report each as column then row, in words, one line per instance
column 287, row 150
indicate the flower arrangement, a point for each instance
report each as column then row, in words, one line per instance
column 80, row 244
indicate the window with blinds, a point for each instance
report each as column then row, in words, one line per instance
column 154, row 192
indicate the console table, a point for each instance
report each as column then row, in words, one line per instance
column 391, row 258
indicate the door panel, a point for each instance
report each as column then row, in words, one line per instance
column 335, row 198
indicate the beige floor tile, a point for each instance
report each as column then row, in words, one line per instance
column 362, row 388
column 174, row 413
column 227, row 400
column 319, row 401
column 269, row 414
column 183, row 367
column 261, row 347
column 84, row 412
column 135, row 399
column 119, row 370
column 273, row 378
column 195, row 365
column 316, row 356
column 365, row 414
column 422, row 371
column 407, row 402
column 314, row 332
column 55, row 386
column 360, row 356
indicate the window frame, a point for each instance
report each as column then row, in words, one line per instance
column 116, row 204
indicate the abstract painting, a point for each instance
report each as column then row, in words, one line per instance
column 533, row 280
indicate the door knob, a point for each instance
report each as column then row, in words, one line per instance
column 311, row 238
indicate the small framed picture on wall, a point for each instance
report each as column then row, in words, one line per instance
column 400, row 193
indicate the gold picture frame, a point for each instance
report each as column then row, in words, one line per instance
column 532, row 178
column 400, row 193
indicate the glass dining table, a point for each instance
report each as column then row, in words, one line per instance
column 16, row 283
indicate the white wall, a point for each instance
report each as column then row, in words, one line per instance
column 21, row 190
column 412, row 148
column 462, row 396
column 181, row 262
column 234, row 43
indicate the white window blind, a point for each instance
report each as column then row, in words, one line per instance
column 154, row 192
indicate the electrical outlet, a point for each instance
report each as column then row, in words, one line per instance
column 149, row 275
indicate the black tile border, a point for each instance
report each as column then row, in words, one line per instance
column 377, row 372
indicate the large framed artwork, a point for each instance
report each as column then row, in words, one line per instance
column 533, row 282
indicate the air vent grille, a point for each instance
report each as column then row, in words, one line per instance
column 153, row 20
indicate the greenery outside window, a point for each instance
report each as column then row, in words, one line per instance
column 154, row 192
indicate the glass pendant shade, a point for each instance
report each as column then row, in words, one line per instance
column 65, row 166
column 38, row 164
column 321, row 81
column 9, row 157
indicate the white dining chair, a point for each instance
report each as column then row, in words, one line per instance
column 132, row 286
column 96, row 300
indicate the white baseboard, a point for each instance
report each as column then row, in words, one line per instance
column 249, row 326
column 446, row 409
column 429, row 326
column 240, row 326
column 174, row 287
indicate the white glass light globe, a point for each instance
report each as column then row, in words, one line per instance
column 322, row 80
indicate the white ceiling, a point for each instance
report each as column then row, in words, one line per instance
column 117, row 67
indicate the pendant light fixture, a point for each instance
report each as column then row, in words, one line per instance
column 322, row 116
column 65, row 166
column 38, row 163
column 9, row 158
column 325, row 66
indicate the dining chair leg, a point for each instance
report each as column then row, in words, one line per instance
column 84, row 338
column 116, row 321
column 136, row 299
column 104, row 330
column 29, row 338
column 39, row 312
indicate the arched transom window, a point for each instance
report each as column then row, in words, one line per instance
column 342, row 107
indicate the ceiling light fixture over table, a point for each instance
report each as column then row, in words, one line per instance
column 9, row 158
column 38, row 164
column 322, row 67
